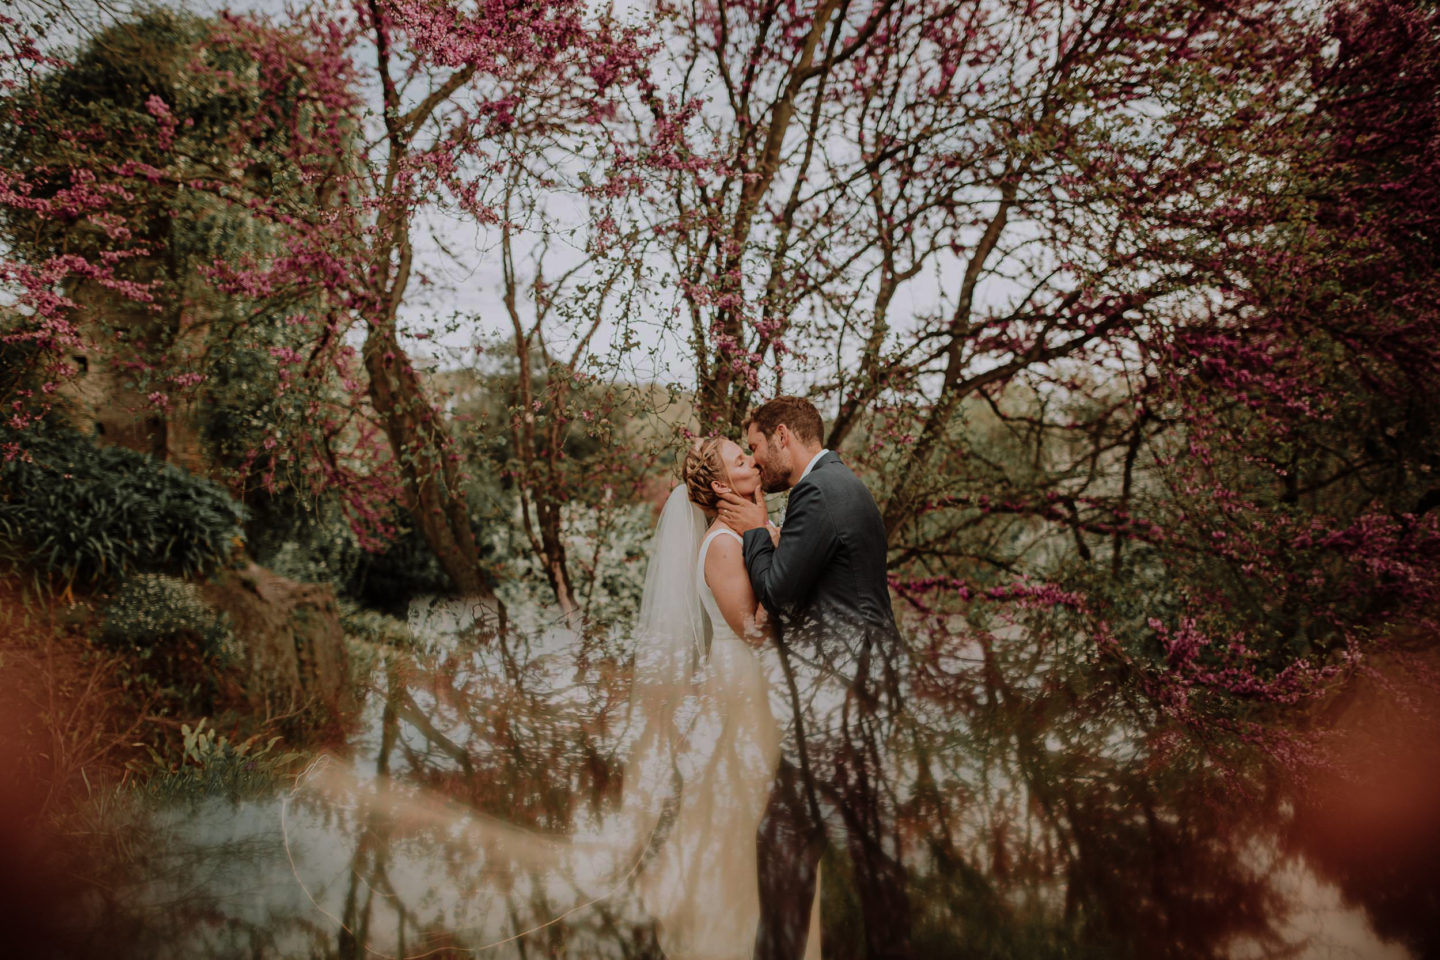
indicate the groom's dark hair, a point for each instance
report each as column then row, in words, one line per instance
column 797, row 413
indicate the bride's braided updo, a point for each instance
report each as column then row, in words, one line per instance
column 703, row 466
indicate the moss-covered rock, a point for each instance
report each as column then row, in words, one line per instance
column 290, row 647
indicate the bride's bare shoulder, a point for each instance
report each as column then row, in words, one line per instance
column 724, row 554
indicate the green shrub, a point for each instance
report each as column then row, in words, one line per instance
column 175, row 644
column 373, row 627
column 153, row 610
column 371, row 637
column 74, row 512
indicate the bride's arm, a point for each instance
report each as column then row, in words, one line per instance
column 726, row 576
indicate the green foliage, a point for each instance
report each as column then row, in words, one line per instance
column 180, row 95
column 607, row 546
column 371, row 627
column 23, row 362
column 312, row 542
column 101, row 108
column 371, row 638
column 152, row 612
column 176, row 646
column 212, row 764
column 73, row 512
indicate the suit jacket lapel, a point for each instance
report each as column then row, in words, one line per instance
column 829, row 458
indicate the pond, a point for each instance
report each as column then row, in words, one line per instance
column 479, row 808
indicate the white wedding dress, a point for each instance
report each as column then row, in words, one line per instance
column 702, row 886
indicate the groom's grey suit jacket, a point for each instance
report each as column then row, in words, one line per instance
column 826, row 583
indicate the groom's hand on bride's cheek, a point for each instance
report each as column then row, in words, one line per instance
column 739, row 512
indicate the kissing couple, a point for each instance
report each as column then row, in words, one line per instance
column 787, row 640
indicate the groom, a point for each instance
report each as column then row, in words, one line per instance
column 825, row 583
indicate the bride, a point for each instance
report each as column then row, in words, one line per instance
column 714, row 728
column 699, row 620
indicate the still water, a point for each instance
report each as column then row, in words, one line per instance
column 479, row 809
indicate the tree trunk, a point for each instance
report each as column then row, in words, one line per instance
column 421, row 445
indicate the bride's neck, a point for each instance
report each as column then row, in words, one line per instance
column 717, row 524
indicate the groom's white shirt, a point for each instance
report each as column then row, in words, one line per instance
column 811, row 465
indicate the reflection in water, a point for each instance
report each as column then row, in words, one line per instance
column 533, row 737
column 390, row 851
column 480, row 809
